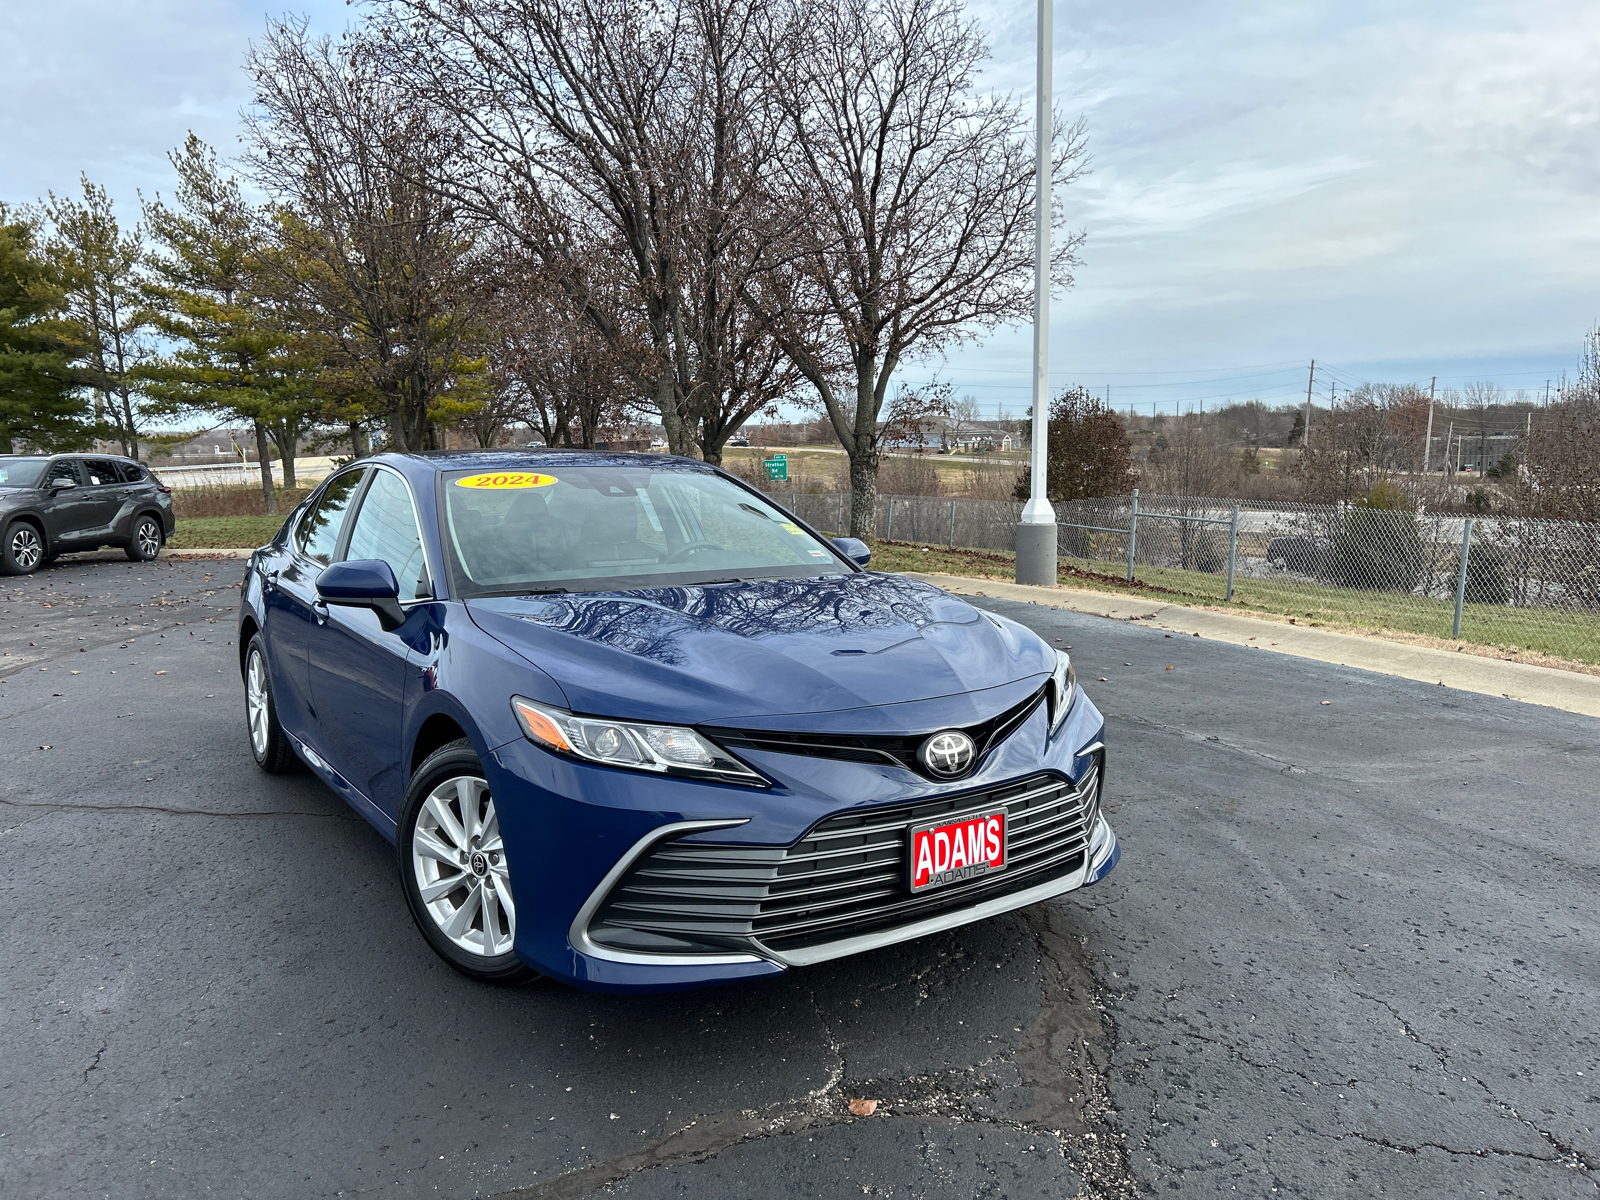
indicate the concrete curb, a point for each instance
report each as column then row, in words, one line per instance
column 203, row 553
column 1548, row 686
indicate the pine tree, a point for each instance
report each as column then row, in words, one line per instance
column 99, row 268
column 38, row 404
column 234, row 356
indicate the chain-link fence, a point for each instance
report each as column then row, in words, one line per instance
column 1505, row 581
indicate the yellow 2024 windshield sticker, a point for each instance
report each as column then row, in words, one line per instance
column 498, row 480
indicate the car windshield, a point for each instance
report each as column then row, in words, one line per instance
column 21, row 472
column 585, row 528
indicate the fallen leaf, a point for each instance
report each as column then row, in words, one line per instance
column 44, row 747
column 863, row 1108
column 1327, row 702
column 1170, row 667
column 1102, row 679
column 160, row 672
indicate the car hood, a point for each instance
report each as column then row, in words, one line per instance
column 765, row 648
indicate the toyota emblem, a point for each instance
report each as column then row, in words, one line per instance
column 949, row 753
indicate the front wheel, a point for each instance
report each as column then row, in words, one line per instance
column 22, row 550
column 144, row 543
column 453, row 868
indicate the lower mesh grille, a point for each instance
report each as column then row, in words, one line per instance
column 847, row 877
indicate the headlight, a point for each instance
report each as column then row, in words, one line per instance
column 668, row 749
column 1063, row 690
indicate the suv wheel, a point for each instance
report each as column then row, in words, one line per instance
column 144, row 543
column 22, row 550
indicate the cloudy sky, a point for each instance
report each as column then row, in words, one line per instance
column 1399, row 190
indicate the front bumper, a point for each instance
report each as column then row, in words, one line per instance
column 578, row 836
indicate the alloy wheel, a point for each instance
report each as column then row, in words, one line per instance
column 460, row 867
column 148, row 537
column 255, row 702
column 26, row 548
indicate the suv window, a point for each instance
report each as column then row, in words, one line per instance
column 63, row 470
column 131, row 472
column 386, row 529
column 319, row 531
column 101, row 471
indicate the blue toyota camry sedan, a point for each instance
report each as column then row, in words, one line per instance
column 632, row 726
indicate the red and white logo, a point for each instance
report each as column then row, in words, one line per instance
column 948, row 852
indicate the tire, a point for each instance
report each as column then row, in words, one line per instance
column 437, row 847
column 145, row 539
column 268, row 744
column 22, row 550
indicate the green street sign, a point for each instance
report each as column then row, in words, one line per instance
column 777, row 467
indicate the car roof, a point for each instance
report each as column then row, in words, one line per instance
column 518, row 459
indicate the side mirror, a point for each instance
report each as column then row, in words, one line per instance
column 363, row 583
column 854, row 549
column 57, row 486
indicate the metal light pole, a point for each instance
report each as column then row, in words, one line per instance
column 1036, row 535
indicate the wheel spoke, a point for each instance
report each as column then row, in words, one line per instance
column 467, row 794
column 491, row 920
column 489, row 836
column 462, row 920
column 426, row 845
column 432, row 891
column 446, row 821
column 502, row 891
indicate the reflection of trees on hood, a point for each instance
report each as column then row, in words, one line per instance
column 650, row 623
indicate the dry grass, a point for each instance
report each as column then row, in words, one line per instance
column 237, row 500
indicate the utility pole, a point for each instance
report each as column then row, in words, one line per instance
column 1427, row 440
column 1305, row 434
column 1036, row 534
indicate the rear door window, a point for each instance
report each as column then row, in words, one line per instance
column 101, row 472
column 319, row 530
column 131, row 472
column 386, row 529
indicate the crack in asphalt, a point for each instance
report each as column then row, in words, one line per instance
column 1204, row 739
column 95, row 1062
column 1064, row 1059
column 1419, row 1147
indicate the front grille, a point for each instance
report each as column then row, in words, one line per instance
column 898, row 750
column 846, row 877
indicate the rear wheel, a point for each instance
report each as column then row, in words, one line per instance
column 268, row 744
column 22, row 550
column 453, row 868
column 144, row 543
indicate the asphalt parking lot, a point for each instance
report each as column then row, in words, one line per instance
column 1351, row 951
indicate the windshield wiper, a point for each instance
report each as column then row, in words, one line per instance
column 549, row 591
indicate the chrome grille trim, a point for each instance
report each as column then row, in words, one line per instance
column 844, row 880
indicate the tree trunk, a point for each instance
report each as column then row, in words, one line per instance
column 130, row 439
column 360, row 444
column 863, row 494
column 269, row 495
column 286, row 439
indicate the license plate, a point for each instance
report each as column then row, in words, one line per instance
column 949, row 851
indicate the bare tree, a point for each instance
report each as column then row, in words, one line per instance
column 912, row 200
column 551, row 368
column 642, row 132
column 379, row 256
